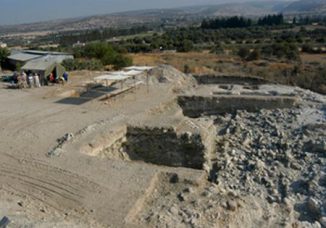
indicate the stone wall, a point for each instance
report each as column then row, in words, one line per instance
column 196, row 106
column 239, row 80
column 164, row 146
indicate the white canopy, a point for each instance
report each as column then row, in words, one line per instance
column 111, row 77
column 133, row 72
column 139, row 68
column 123, row 75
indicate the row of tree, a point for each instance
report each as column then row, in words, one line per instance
column 241, row 22
column 232, row 22
column 192, row 38
column 71, row 37
column 271, row 20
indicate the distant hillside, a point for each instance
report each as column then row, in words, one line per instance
column 306, row 6
column 177, row 16
column 246, row 9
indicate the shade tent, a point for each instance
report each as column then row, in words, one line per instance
column 19, row 58
column 44, row 69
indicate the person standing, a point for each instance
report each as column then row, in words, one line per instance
column 15, row 77
column 37, row 80
column 30, row 80
column 51, row 78
column 24, row 79
column 65, row 76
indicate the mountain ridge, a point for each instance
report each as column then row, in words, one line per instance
column 306, row 6
column 180, row 15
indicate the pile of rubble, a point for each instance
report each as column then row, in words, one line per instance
column 168, row 74
column 269, row 170
column 277, row 156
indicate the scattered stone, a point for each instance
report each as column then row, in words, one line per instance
column 188, row 190
column 182, row 197
column 57, row 150
column 231, row 205
column 322, row 221
column 174, row 210
column 313, row 206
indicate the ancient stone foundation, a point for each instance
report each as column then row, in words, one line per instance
column 196, row 106
column 240, row 80
column 160, row 146
column 164, row 147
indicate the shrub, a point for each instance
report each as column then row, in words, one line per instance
column 121, row 62
column 96, row 55
column 186, row 69
column 218, row 49
column 254, row 55
column 185, row 46
column 82, row 64
column 243, row 52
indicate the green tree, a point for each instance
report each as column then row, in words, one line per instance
column 185, row 46
column 121, row 62
column 4, row 53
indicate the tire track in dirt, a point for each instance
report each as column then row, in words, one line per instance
column 50, row 185
column 39, row 167
column 22, row 193
column 17, row 175
column 53, row 183
column 52, row 194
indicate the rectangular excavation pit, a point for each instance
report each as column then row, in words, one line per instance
column 196, row 106
column 160, row 146
column 163, row 146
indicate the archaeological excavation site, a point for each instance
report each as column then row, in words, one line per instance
column 165, row 149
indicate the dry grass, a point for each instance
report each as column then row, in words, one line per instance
column 272, row 69
column 318, row 58
column 199, row 62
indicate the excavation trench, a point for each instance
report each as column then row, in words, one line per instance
column 160, row 146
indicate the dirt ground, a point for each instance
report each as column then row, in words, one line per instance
column 317, row 58
column 59, row 167
column 73, row 190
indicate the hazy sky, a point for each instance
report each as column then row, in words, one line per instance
column 25, row 11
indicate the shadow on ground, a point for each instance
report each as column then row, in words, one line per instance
column 87, row 96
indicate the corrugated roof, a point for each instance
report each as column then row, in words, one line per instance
column 44, row 52
column 26, row 55
column 44, row 62
column 39, row 64
column 23, row 57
